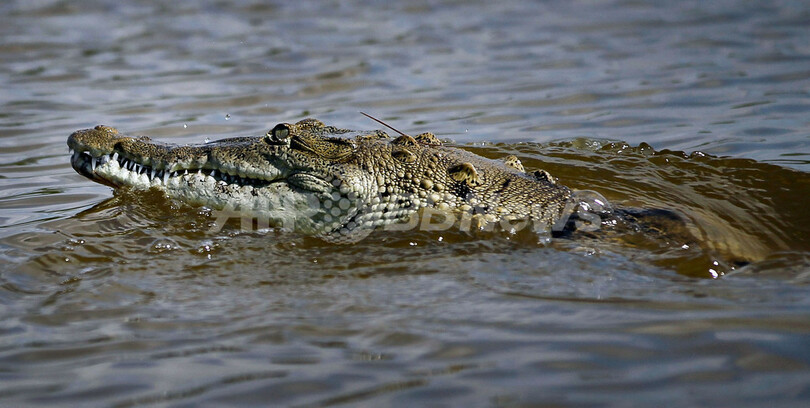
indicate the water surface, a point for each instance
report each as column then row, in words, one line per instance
column 131, row 300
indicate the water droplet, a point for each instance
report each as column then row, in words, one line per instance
column 185, row 125
column 227, row 116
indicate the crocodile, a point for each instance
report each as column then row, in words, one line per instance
column 332, row 182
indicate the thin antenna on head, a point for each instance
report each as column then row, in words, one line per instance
column 382, row 123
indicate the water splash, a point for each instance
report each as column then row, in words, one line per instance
column 592, row 202
column 586, row 210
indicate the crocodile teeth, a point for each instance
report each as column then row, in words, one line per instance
column 165, row 177
column 114, row 156
column 213, row 173
column 92, row 165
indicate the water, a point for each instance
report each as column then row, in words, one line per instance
column 130, row 300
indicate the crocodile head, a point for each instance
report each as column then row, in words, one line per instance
column 323, row 180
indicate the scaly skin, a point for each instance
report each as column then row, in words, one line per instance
column 326, row 181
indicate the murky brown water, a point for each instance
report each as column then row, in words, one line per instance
column 131, row 300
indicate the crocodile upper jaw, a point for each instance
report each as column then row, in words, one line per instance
column 103, row 155
column 116, row 171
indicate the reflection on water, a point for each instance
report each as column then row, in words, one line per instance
column 132, row 300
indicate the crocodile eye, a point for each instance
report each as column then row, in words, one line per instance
column 279, row 134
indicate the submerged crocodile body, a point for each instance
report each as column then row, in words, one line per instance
column 328, row 181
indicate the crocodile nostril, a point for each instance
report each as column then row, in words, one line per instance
column 106, row 129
